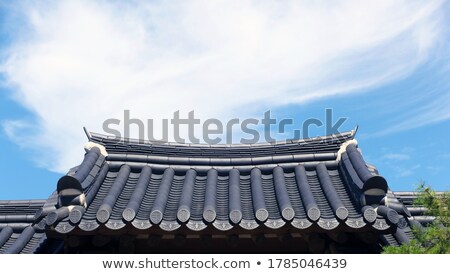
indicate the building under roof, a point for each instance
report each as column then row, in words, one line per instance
column 132, row 196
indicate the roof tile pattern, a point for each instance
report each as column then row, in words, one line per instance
column 298, row 183
column 19, row 232
column 320, row 184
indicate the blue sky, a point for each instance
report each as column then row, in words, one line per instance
column 384, row 65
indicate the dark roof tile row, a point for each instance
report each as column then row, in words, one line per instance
column 319, row 184
column 323, row 194
column 19, row 232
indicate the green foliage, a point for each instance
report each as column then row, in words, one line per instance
column 414, row 247
column 435, row 237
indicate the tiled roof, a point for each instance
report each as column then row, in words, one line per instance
column 321, row 184
column 416, row 215
column 19, row 233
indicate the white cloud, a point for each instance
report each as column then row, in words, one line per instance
column 434, row 169
column 404, row 171
column 430, row 108
column 76, row 63
column 397, row 156
column 12, row 126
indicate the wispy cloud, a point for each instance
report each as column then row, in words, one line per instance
column 431, row 110
column 434, row 169
column 396, row 156
column 405, row 171
column 75, row 63
column 11, row 127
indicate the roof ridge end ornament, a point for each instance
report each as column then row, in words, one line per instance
column 355, row 130
column 88, row 133
column 343, row 147
column 89, row 145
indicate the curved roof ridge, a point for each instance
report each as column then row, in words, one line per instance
column 30, row 202
column 334, row 138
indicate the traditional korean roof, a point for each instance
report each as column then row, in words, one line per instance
column 298, row 187
column 416, row 215
column 319, row 184
column 19, row 233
